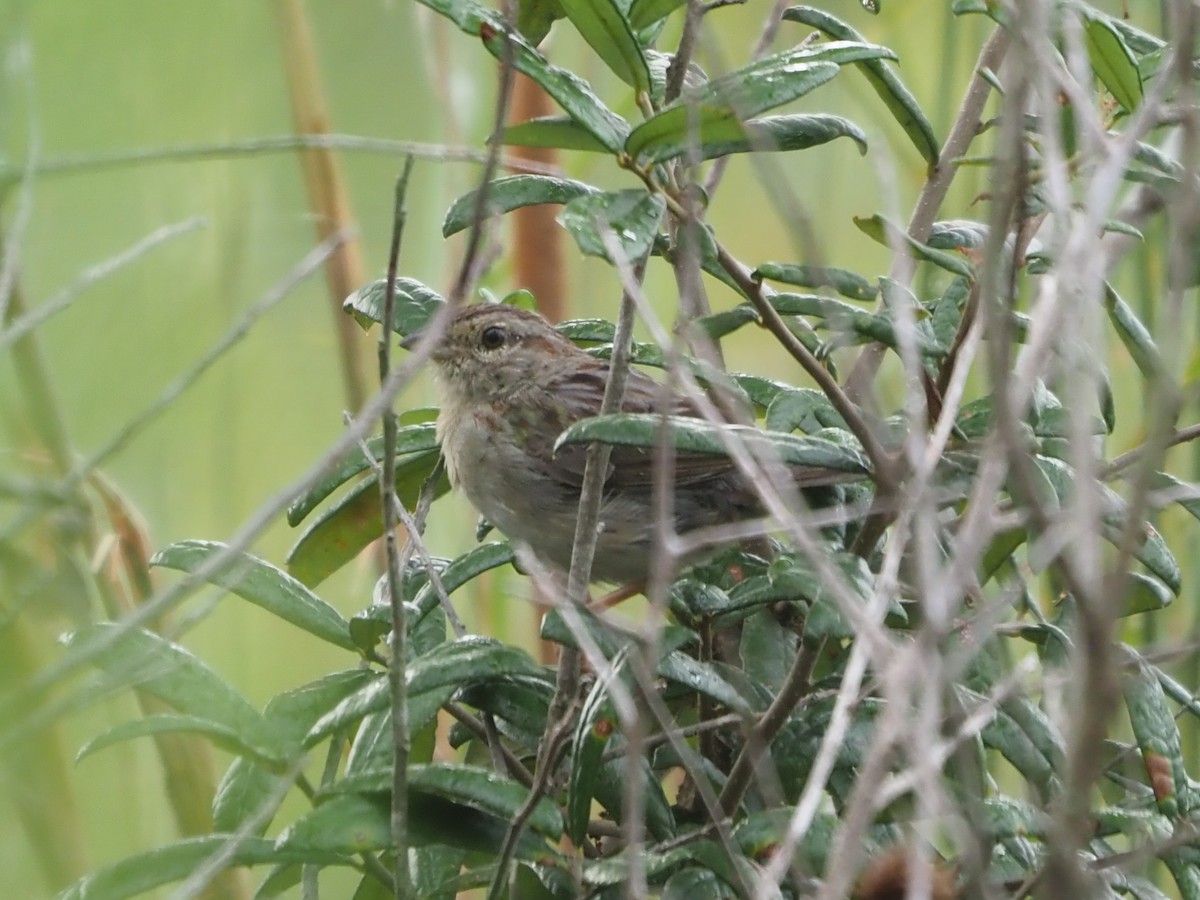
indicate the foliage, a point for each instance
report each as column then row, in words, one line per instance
column 938, row 646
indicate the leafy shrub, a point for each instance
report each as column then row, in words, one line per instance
column 925, row 667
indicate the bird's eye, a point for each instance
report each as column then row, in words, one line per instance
column 492, row 338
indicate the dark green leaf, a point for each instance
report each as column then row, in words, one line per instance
column 219, row 733
column 850, row 323
column 1157, row 736
column 175, row 862
column 704, row 679
column 506, row 194
column 518, row 706
column 957, row 235
column 462, row 570
column 767, row 649
column 1180, row 491
column 263, row 585
column 340, row 533
column 630, row 218
column 697, row 436
column 438, row 674
column 847, row 283
column 1145, row 594
column 593, row 731
column 534, row 18
column 716, row 113
column 1113, row 61
column 884, row 232
column 612, row 789
column 561, row 132
column 413, row 306
column 802, row 408
column 1134, row 335
column 728, row 321
column 167, row 671
column 341, row 825
column 603, row 26
column 1002, row 733
column 647, row 12
column 463, row 786
column 696, row 884
column 247, row 790
column 418, row 438
column 570, row 91
column 898, row 99
column 772, row 134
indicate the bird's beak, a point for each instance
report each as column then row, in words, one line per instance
column 410, row 342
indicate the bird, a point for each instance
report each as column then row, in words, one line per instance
column 510, row 384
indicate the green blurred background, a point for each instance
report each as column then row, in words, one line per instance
column 84, row 80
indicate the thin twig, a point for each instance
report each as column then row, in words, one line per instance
column 72, row 165
column 19, row 327
column 759, row 738
column 387, row 490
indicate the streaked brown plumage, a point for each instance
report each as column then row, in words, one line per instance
column 510, row 385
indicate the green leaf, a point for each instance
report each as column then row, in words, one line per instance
column 462, row 570
column 220, row 734
column 884, row 232
column 632, row 217
column 519, row 707
column 438, row 674
column 342, row 825
column 463, row 786
column 414, row 304
column 696, row 884
column 418, row 438
column 718, row 325
column 805, row 409
column 1157, row 736
column 767, row 649
column 263, row 585
column 1155, row 555
column 344, row 530
column 898, row 99
column 847, row 283
column 770, row 134
column 611, row 791
column 1145, row 594
column 1134, row 335
column 246, row 788
column 697, row 436
column 1000, row 551
column 165, row 670
column 506, row 194
column 1002, row 733
column 468, row 15
column 534, row 18
column 1183, row 493
column 174, row 862
column 716, row 113
column 704, row 679
column 602, row 24
column 593, row 731
column 1113, row 61
column 851, row 324
column 647, row 12
column 561, row 132
column 570, row 91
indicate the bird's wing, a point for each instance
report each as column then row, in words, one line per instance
column 628, row 466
